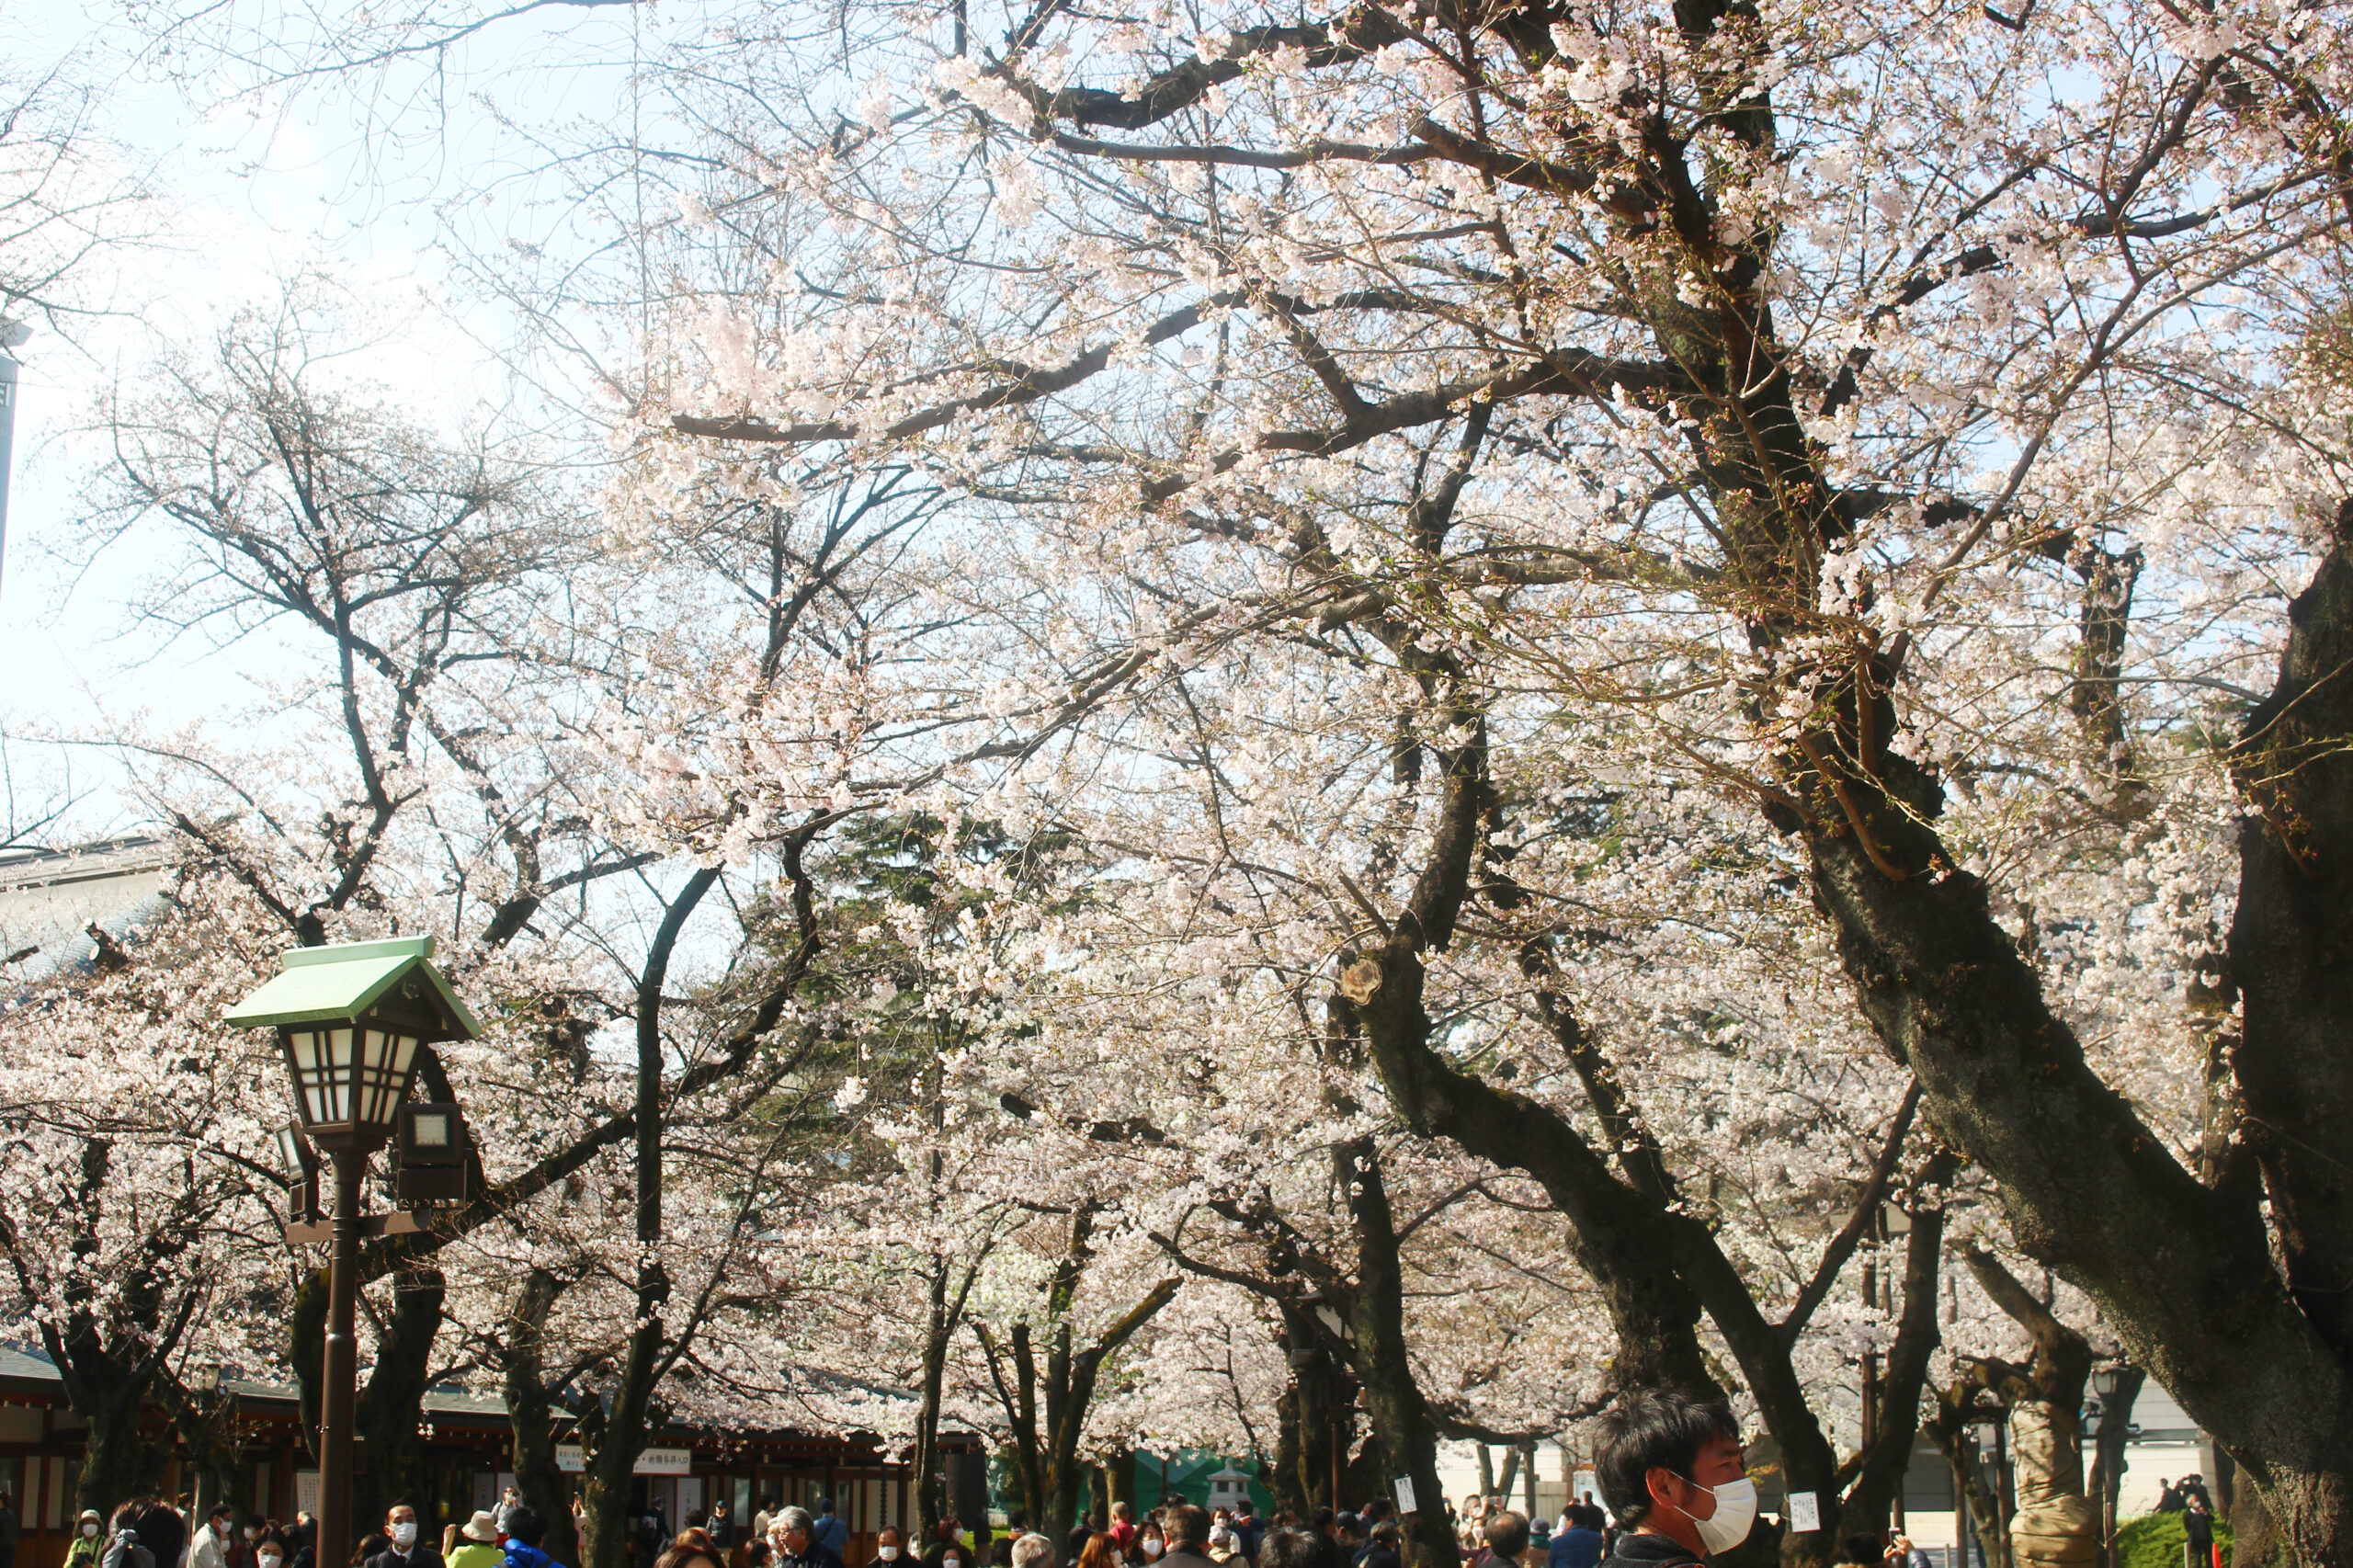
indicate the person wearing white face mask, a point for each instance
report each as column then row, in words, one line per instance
column 269, row 1547
column 1670, row 1468
column 89, row 1540
column 890, row 1549
column 409, row 1549
column 212, row 1545
column 248, row 1537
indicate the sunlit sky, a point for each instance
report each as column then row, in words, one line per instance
column 248, row 190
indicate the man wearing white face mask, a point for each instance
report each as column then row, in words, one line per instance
column 211, row 1547
column 408, row 1549
column 1670, row 1468
column 890, row 1549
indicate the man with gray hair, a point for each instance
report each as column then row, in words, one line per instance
column 793, row 1534
column 1033, row 1551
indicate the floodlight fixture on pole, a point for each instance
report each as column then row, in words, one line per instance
column 430, row 1153
column 350, row 1021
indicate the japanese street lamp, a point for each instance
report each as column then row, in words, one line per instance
column 202, row 1380
column 350, row 1021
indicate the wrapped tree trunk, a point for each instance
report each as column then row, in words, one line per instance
column 2055, row 1525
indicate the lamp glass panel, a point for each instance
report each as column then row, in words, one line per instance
column 338, row 1075
column 430, row 1129
column 400, row 1050
column 321, row 1099
column 303, row 1050
column 363, row 1072
column 368, row 1086
column 383, row 1075
column 290, row 1153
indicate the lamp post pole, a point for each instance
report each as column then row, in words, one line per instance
column 341, row 1370
column 350, row 1019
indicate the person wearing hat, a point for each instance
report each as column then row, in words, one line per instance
column 478, row 1544
column 89, row 1540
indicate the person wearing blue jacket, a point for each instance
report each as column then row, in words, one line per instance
column 1579, row 1546
column 525, row 1529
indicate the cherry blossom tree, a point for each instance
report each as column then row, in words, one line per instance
column 1800, row 421
column 1664, row 606
column 133, row 1204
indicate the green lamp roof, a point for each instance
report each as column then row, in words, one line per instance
column 323, row 984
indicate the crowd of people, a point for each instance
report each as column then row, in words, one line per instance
column 150, row 1532
column 1668, row 1465
column 1175, row 1535
column 153, row 1532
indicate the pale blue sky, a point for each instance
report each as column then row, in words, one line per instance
column 246, row 191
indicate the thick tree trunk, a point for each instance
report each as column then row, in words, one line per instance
column 2291, row 945
column 530, row 1414
column 118, row 1460
column 1393, row 1396
column 930, row 1480
column 2184, row 1272
column 385, row 1418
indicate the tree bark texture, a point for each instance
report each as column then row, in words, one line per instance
column 1655, row 1265
column 1400, row 1417
column 540, row 1480
column 385, row 1418
column 2183, row 1271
